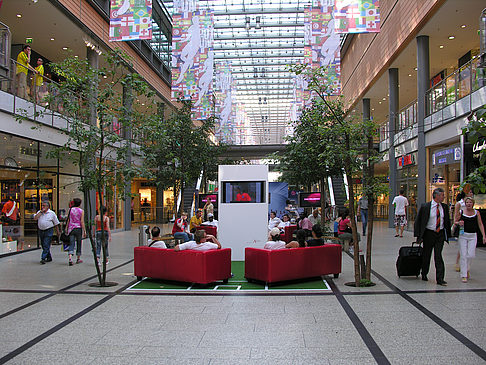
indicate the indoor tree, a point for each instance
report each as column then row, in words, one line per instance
column 97, row 104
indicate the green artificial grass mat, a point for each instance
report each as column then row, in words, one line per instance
column 236, row 283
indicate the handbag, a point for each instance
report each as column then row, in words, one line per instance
column 456, row 229
column 64, row 238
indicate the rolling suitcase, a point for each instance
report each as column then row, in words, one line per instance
column 409, row 261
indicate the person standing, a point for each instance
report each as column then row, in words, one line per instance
column 23, row 68
column 315, row 217
column 38, row 80
column 208, row 208
column 46, row 221
column 470, row 221
column 400, row 203
column 102, row 224
column 433, row 227
column 76, row 230
column 363, row 211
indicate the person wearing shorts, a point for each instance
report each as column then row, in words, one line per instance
column 400, row 203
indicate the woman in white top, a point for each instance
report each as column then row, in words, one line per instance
column 470, row 221
column 458, row 208
column 274, row 242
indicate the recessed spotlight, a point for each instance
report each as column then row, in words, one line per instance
column 104, row 76
column 415, row 69
column 19, row 15
column 441, row 46
column 451, row 37
column 75, row 56
column 410, row 75
column 64, row 48
column 379, row 102
column 463, row 26
column 372, row 109
column 52, row 39
column 384, row 99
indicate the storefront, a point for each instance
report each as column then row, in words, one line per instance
column 445, row 171
column 30, row 174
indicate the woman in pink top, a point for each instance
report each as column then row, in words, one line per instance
column 76, row 230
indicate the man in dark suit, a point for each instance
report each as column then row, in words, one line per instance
column 433, row 227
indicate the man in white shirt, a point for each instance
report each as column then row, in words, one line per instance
column 211, row 221
column 46, row 221
column 156, row 241
column 285, row 222
column 275, row 243
column 315, row 217
column 274, row 221
column 200, row 243
column 400, row 203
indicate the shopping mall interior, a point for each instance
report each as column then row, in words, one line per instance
column 417, row 71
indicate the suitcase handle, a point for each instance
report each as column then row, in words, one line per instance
column 415, row 242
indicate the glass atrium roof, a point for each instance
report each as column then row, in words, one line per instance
column 260, row 38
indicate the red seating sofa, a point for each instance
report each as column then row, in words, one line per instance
column 288, row 233
column 212, row 230
column 190, row 266
column 272, row 266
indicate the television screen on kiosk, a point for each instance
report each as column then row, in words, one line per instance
column 243, row 191
column 307, row 200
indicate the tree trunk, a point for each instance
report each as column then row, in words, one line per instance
column 370, row 172
column 352, row 214
column 323, row 202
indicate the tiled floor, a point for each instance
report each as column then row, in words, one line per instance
column 49, row 315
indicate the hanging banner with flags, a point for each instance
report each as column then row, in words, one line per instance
column 225, row 94
column 130, row 20
column 193, row 57
column 357, row 16
column 322, row 47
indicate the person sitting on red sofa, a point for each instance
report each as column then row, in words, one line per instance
column 200, row 244
column 156, row 241
column 275, row 243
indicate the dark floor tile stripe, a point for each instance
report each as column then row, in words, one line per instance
column 457, row 335
column 60, row 291
column 375, row 350
column 61, row 325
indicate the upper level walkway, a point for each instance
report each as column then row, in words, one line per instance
column 49, row 315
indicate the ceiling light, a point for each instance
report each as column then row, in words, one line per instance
column 463, row 26
column 441, row 46
column 409, row 74
column 384, row 99
column 451, row 37
column 64, row 48
column 19, row 15
column 52, row 39
column 415, row 69
column 379, row 102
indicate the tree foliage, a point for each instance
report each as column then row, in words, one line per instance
column 178, row 150
column 476, row 132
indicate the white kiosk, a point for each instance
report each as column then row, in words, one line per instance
column 242, row 207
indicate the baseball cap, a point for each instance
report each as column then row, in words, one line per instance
column 210, row 215
column 274, row 231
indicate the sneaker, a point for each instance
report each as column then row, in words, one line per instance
column 42, row 261
column 107, row 262
column 464, row 280
column 70, row 263
column 79, row 261
column 49, row 259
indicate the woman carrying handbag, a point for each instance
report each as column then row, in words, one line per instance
column 469, row 222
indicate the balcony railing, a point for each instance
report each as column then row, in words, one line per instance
column 456, row 86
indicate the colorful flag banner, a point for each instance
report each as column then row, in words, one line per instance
column 130, row 20
column 357, row 16
column 225, row 103
column 322, row 48
column 193, row 59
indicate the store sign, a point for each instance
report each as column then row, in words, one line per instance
column 447, row 156
column 406, row 160
column 479, row 146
